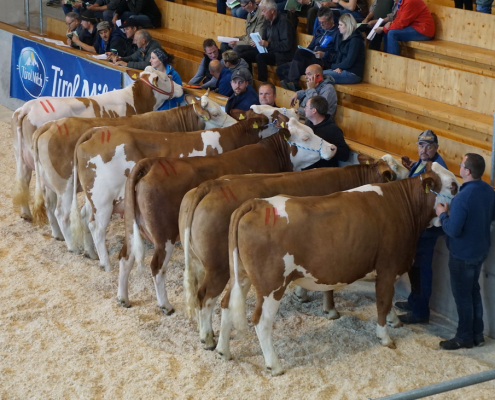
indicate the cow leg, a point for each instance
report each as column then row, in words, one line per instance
column 125, row 267
column 159, row 278
column 301, row 294
column 98, row 228
column 89, row 244
column 264, row 330
column 21, row 187
column 205, row 325
column 50, row 205
column 329, row 305
column 384, row 293
column 62, row 213
column 392, row 319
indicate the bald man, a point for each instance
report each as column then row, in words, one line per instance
column 317, row 85
column 223, row 76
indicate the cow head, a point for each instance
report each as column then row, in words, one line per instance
column 273, row 114
column 399, row 170
column 306, row 147
column 211, row 113
column 162, row 85
column 387, row 167
column 442, row 183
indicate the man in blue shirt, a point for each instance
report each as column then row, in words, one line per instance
column 244, row 95
column 467, row 225
column 421, row 273
column 223, row 76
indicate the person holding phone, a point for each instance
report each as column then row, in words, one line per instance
column 317, row 84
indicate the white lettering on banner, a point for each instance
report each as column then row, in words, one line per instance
column 66, row 88
column 32, row 76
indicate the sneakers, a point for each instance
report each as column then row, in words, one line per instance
column 453, row 344
column 403, row 305
column 409, row 318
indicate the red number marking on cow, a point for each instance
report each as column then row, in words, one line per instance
column 171, row 166
column 44, row 107
column 275, row 216
column 59, row 130
column 267, row 215
column 226, row 196
column 50, row 104
column 231, row 193
column 66, row 130
column 108, row 136
column 164, row 168
column 102, row 137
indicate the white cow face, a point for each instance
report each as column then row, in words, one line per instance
column 161, row 81
column 268, row 111
column 213, row 114
column 396, row 166
column 450, row 187
column 310, row 148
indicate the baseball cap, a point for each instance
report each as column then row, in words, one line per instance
column 427, row 137
column 89, row 15
column 103, row 25
column 129, row 22
column 241, row 73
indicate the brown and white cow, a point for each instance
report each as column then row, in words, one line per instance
column 54, row 144
column 145, row 94
column 105, row 156
column 205, row 217
column 324, row 243
column 155, row 189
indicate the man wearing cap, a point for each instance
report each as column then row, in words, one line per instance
column 141, row 58
column 111, row 41
column 421, row 273
column 87, row 40
column 244, row 95
column 223, row 75
column 130, row 28
column 467, row 224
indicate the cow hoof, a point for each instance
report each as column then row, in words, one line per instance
column 332, row 314
column 167, row 312
column 27, row 217
column 211, row 347
column 224, row 356
column 124, row 303
column 397, row 324
column 390, row 345
column 90, row 256
column 59, row 238
column 277, row 371
column 301, row 299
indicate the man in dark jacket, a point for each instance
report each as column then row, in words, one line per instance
column 223, row 76
column 144, row 12
column 110, row 41
column 89, row 34
column 203, row 76
column 278, row 38
column 141, row 58
column 130, row 28
column 244, row 95
column 323, row 51
column 322, row 124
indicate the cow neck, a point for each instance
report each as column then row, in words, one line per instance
column 281, row 148
column 188, row 119
column 157, row 89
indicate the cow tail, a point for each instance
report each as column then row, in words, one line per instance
column 238, row 276
column 76, row 224
column 20, row 192
column 194, row 273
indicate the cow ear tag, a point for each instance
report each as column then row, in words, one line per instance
column 367, row 162
column 241, row 117
column 255, row 125
column 193, row 101
column 134, row 76
column 427, row 189
column 282, row 124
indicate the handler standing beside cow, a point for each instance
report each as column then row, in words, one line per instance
column 467, row 225
column 421, row 273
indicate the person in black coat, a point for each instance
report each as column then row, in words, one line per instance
column 349, row 66
column 323, row 126
column 144, row 12
column 109, row 41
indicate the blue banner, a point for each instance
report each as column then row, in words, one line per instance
column 38, row 70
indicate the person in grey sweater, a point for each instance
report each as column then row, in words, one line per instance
column 232, row 61
column 141, row 58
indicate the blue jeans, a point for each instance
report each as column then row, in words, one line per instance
column 464, row 276
column 142, row 20
column 239, row 12
column 421, row 273
column 392, row 38
column 356, row 14
column 484, row 9
column 345, row 77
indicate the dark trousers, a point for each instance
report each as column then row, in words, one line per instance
column 464, row 276
column 292, row 71
column 421, row 273
column 247, row 52
column 466, row 4
column 263, row 60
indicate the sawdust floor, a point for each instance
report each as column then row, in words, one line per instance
column 63, row 335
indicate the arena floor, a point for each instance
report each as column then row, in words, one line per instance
column 63, row 335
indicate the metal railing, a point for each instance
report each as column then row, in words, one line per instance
column 26, row 9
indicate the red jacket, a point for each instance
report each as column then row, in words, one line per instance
column 413, row 13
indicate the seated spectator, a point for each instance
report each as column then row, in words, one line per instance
column 111, row 41
column 74, row 27
column 322, row 124
column 244, row 95
column 357, row 8
column 130, row 28
column 141, row 58
column 278, row 38
column 413, row 21
column 237, row 11
column 232, row 61
column 223, row 76
column 203, row 75
column 349, row 65
column 89, row 35
column 77, row 6
column 483, row 6
column 104, row 9
column 245, row 47
column 323, row 45
column 385, row 9
column 317, row 84
column 144, row 12
column 267, row 94
column 162, row 61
